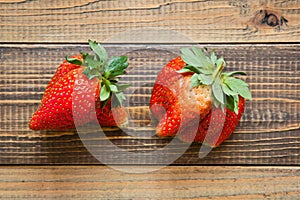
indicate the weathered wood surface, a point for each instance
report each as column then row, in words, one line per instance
column 74, row 21
column 267, row 135
column 99, row 182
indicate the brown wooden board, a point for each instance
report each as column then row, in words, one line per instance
column 268, row 133
column 75, row 21
column 189, row 182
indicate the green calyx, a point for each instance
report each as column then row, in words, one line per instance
column 97, row 65
column 208, row 70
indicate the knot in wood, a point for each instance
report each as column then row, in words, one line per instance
column 267, row 18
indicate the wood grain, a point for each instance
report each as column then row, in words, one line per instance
column 224, row 21
column 94, row 182
column 267, row 135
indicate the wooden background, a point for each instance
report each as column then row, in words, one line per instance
column 260, row 160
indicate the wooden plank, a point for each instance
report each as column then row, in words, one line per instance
column 268, row 133
column 100, row 182
column 224, row 21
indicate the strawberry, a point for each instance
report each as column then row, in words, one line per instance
column 200, row 94
column 216, row 127
column 173, row 103
column 56, row 110
column 80, row 82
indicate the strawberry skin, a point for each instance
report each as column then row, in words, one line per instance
column 164, row 102
column 215, row 127
column 61, row 71
column 56, row 110
column 173, row 102
column 109, row 116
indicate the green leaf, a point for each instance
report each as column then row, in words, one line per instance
column 206, row 71
column 115, row 102
column 84, row 54
column 114, row 79
column 113, row 88
column 91, row 73
column 206, row 62
column 204, row 79
column 220, row 62
column 116, row 66
column 236, row 104
column 184, row 70
column 239, row 86
column 234, row 73
column 92, row 62
column 213, row 57
column 227, row 90
column 231, row 81
column 104, row 93
column 189, row 68
column 122, row 87
column 245, row 92
column 215, row 101
column 230, row 103
column 194, row 81
column 99, row 51
column 217, row 92
column 189, row 58
column 117, row 99
column 104, row 103
column 73, row 61
column 197, row 58
column 116, row 61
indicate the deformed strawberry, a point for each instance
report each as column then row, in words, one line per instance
column 173, row 102
column 86, row 80
column 202, row 95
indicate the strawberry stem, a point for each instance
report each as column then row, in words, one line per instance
column 218, row 71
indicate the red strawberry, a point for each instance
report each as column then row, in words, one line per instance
column 61, row 71
column 215, row 127
column 88, row 80
column 56, row 111
column 173, row 102
column 198, row 95
column 110, row 116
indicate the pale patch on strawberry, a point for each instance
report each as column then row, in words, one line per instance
column 195, row 101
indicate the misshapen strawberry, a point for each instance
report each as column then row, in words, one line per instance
column 82, row 86
column 173, row 102
column 201, row 95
